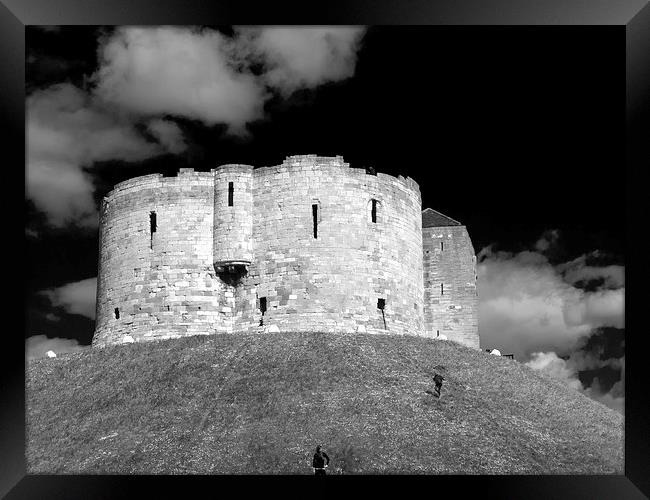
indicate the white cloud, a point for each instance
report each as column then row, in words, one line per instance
column 37, row 345
column 599, row 308
column 68, row 130
column 526, row 305
column 168, row 134
column 179, row 71
column 575, row 271
column 67, row 125
column 63, row 191
column 556, row 367
column 304, row 57
column 521, row 305
column 76, row 298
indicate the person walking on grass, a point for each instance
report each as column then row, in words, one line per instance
column 437, row 380
column 320, row 462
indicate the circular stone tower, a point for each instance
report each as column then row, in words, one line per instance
column 335, row 250
column 233, row 219
column 307, row 245
column 156, row 279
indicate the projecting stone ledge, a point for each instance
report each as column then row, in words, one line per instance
column 231, row 266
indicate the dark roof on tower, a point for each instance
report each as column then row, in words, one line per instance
column 431, row 218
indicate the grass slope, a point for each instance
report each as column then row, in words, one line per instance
column 260, row 403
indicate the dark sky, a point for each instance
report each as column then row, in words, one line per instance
column 511, row 130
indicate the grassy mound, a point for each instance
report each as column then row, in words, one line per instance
column 259, row 404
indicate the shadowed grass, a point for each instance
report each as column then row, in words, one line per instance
column 242, row 404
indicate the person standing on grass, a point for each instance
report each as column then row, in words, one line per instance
column 437, row 379
column 320, row 462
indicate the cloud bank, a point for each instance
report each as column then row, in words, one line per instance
column 577, row 271
column 67, row 131
column 75, row 298
column 528, row 305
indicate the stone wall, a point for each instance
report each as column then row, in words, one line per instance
column 332, row 282
column 450, row 291
column 162, row 283
column 174, row 281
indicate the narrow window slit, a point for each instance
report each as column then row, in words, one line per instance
column 116, row 313
column 442, row 246
column 381, row 305
column 314, row 213
column 152, row 227
column 263, row 309
column 442, row 289
column 373, row 212
column 231, row 192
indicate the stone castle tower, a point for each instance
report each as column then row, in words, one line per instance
column 308, row 245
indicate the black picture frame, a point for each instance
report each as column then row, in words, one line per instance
column 632, row 16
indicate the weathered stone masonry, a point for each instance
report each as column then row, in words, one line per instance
column 450, row 291
column 308, row 245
